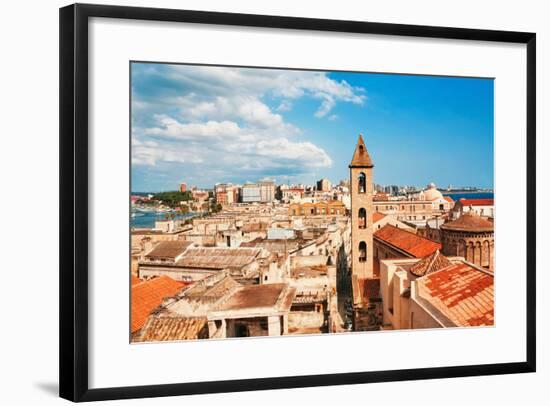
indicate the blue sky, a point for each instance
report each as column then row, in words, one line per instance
column 204, row 125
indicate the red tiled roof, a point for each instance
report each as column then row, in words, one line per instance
column 411, row 243
column 449, row 199
column 477, row 202
column 377, row 216
column 147, row 296
column 464, row 294
column 135, row 280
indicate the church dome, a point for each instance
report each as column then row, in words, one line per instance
column 431, row 193
column 469, row 222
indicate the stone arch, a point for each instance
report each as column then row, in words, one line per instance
column 362, row 251
column 477, row 253
column 470, row 252
column 486, row 254
column 461, row 251
column 362, row 182
column 362, row 217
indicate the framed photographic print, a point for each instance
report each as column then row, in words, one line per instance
column 256, row 202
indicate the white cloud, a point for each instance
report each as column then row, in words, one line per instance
column 171, row 128
column 219, row 119
column 222, row 144
column 224, row 81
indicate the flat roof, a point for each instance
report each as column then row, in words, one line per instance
column 218, row 258
column 256, row 300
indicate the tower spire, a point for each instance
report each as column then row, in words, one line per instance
column 361, row 157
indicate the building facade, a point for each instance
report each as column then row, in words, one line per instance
column 416, row 209
column 267, row 190
column 251, row 193
column 482, row 207
column 328, row 208
column 323, row 185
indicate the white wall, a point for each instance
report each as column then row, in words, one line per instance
column 28, row 161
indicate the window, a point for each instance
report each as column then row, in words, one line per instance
column 441, row 207
column 362, row 251
column 362, row 183
column 362, row 218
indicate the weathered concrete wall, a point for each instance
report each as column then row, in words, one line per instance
column 301, row 320
column 420, row 318
column 310, row 260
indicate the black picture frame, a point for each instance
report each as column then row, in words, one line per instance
column 73, row 277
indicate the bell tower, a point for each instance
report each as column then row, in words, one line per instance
column 360, row 171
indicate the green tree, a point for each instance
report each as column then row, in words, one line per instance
column 173, row 199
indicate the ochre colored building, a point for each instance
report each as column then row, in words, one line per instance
column 360, row 169
column 328, row 208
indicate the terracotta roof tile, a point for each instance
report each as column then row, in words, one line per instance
column 430, row 263
column 477, row 202
column 377, row 216
column 147, row 296
column 462, row 293
column 171, row 328
column 407, row 241
column 135, row 280
column 168, row 249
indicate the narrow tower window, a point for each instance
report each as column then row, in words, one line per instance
column 362, row 218
column 362, row 187
column 362, row 251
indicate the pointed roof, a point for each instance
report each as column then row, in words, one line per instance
column 361, row 157
column 430, row 263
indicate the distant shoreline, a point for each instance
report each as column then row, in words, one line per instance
column 469, row 195
column 454, row 192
